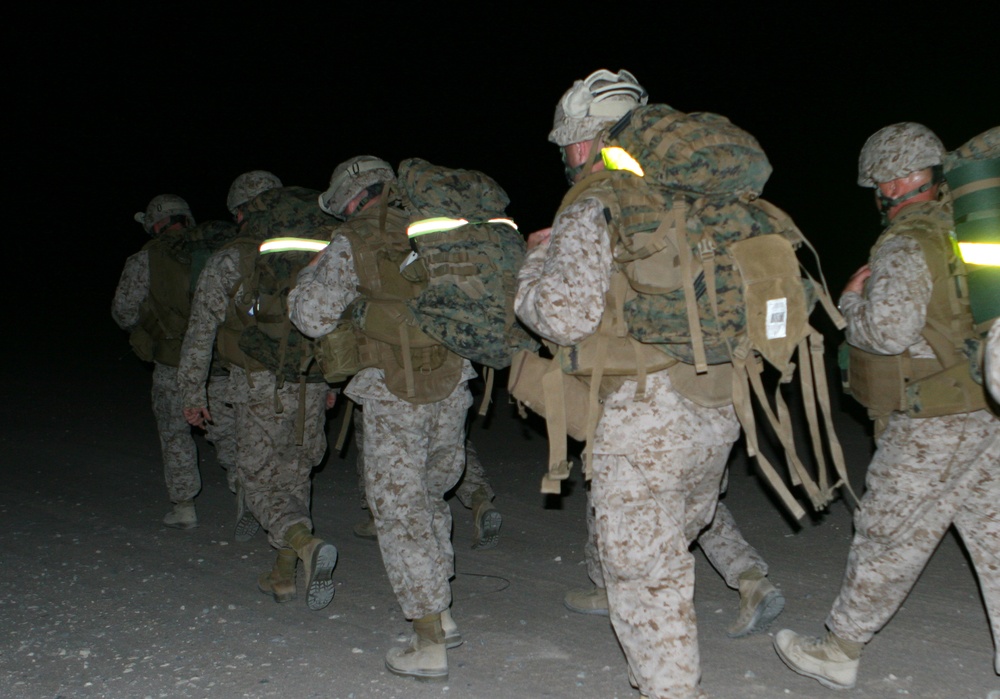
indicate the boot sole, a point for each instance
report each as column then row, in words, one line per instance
column 767, row 611
column 184, row 526
column 419, row 676
column 822, row 679
column 489, row 530
column 319, row 588
column 581, row 610
column 246, row 527
column 279, row 598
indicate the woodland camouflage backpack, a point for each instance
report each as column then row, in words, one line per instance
column 283, row 231
column 707, row 277
column 460, row 233
column 175, row 261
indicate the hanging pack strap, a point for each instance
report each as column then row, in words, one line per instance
column 687, row 277
column 345, row 426
column 744, row 411
column 555, row 422
column 816, row 352
column 404, row 344
column 488, row 391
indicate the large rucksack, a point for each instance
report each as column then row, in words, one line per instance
column 707, row 285
column 175, row 261
column 284, row 230
column 471, row 251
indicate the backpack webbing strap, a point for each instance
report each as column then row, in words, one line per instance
column 690, row 296
column 809, row 405
column 744, row 411
column 404, row 343
column 488, row 391
column 555, row 423
column 823, row 394
column 345, row 426
column 781, row 424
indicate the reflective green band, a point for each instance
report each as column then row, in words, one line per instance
column 292, row 244
column 981, row 253
column 443, row 223
column 616, row 158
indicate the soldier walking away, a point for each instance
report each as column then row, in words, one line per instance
column 659, row 458
column 153, row 302
column 414, row 420
column 937, row 446
column 279, row 408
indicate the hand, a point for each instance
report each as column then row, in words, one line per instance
column 331, row 399
column 197, row 417
column 857, row 281
column 539, row 237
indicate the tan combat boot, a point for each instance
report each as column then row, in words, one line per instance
column 590, row 601
column 246, row 524
column 831, row 661
column 426, row 658
column 279, row 582
column 319, row 558
column 452, row 636
column 366, row 529
column 182, row 516
column 487, row 521
column 760, row 604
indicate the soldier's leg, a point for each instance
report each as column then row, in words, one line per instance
column 366, row 528
column 593, row 599
column 475, row 492
column 978, row 522
column 221, row 432
column 649, row 508
column 180, row 455
column 743, row 568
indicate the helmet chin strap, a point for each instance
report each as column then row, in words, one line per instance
column 886, row 202
column 572, row 173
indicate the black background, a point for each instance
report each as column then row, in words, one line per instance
column 112, row 106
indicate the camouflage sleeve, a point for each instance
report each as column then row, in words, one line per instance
column 993, row 361
column 562, row 284
column 889, row 316
column 208, row 311
column 133, row 287
column 324, row 289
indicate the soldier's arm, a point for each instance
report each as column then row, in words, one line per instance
column 888, row 316
column 133, row 287
column 563, row 282
column 208, row 311
column 324, row 289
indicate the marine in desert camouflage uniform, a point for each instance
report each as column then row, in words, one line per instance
column 928, row 473
column 658, row 464
column 413, row 453
column 273, row 470
column 168, row 216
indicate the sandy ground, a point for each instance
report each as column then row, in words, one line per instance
column 98, row 599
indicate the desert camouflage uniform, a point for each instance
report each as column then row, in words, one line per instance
column 722, row 543
column 473, row 477
column 413, row 453
column 273, row 470
column 927, row 473
column 993, row 361
column 658, row 467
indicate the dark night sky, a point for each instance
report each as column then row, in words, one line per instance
column 112, row 107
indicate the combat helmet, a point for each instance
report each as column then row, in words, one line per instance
column 898, row 150
column 249, row 185
column 161, row 207
column 352, row 177
column 597, row 101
